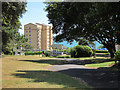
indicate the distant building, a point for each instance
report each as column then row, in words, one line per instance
column 39, row 36
column 58, row 46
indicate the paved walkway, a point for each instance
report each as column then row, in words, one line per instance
column 94, row 77
column 67, row 66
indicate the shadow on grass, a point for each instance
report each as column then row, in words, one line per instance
column 49, row 77
column 95, row 77
column 48, row 61
column 78, row 62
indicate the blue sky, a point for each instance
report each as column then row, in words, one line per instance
column 36, row 14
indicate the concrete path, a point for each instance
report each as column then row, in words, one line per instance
column 67, row 66
column 96, row 78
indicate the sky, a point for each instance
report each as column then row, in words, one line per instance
column 36, row 14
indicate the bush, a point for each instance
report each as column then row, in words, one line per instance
column 102, row 51
column 67, row 56
column 51, row 56
column 48, row 51
column 33, row 53
column 117, row 55
column 43, row 56
column 65, row 50
column 81, row 51
column 63, row 56
column 47, row 54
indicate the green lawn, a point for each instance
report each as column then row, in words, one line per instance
column 85, row 58
column 105, row 64
column 32, row 72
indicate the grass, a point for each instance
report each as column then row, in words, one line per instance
column 105, row 64
column 32, row 72
column 84, row 58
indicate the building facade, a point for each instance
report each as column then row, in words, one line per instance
column 39, row 36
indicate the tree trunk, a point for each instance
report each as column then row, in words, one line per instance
column 111, row 49
column 111, row 53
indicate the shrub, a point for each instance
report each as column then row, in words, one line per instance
column 43, row 56
column 72, row 52
column 60, row 56
column 117, row 55
column 81, row 51
column 102, row 51
column 48, row 51
column 51, row 56
column 67, row 56
column 47, row 54
column 33, row 53
column 63, row 56
column 65, row 50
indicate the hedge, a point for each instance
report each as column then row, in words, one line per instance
column 102, row 51
column 33, row 53
column 63, row 56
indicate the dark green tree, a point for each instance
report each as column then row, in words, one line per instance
column 11, row 12
column 92, row 21
column 86, row 42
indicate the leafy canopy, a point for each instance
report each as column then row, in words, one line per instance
column 93, row 21
column 11, row 12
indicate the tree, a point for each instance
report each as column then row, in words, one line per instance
column 93, row 21
column 86, row 42
column 11, row 12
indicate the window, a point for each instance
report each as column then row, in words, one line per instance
column 26, row 35
column 29, row 38
column 29, row 41
column 26, row 27
column 29, row 31
column 26, row 31
column 29, row 27
column 29, row 35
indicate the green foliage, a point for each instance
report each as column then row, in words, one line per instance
column 86, row 42
column 51, row 56
column 11, row 12
column 117, row 55
column 48, row 51
column 59, row 50
column 43, row 55
column 12, row 40
column 67, row 56
column 47, row 54
column 65, row 50
column 81, row 51
column 33, row 53
column 102, row 51
column 87, row 20
column 54, row 49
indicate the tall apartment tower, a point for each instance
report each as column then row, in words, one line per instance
column 39, row 36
